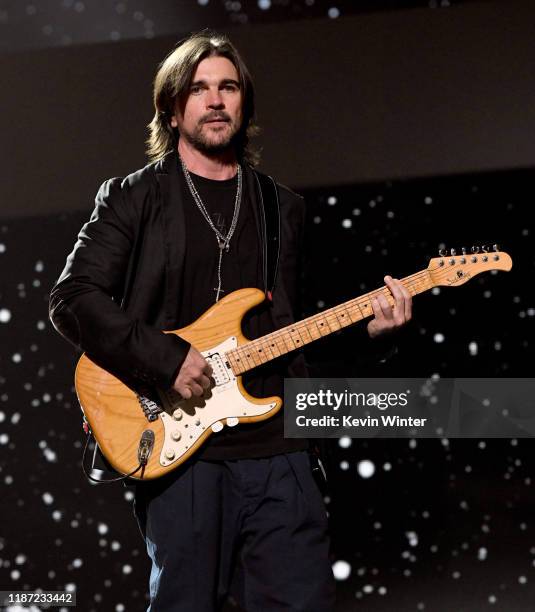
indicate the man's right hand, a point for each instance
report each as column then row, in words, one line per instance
column 194, row 375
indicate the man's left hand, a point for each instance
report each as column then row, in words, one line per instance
column 390, row 318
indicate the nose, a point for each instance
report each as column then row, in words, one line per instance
column 214, row 98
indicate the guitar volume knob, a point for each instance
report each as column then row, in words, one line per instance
column 177, row 414
column 176, row 435
column 169, row 454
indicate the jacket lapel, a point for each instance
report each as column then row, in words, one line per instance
column 172, row 195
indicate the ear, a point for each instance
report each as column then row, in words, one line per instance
column 173, row 121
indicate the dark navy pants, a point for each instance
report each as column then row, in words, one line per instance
column 252, row 528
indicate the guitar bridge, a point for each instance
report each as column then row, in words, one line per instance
column 150, row 407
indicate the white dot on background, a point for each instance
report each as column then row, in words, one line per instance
column 15, row 574
column 333, row 12
column 127, row 569
column 344, row 442
column 347, row 223
column 341, row 570
column 47, row 498
column 264, row 4
column 438, row 338
column 366, row 468
column 17, row 357
column 472, row 348
column 39, row 266
column 102, row 528
column 2, row 247
column 5, row 315
column 344, row 465
column 331, row 200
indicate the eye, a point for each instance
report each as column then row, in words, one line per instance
column 195, row 89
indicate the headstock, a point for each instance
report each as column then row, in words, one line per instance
column 452, row 269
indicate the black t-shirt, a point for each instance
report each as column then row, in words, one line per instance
column 241, row 267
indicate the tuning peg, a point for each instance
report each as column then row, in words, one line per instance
column 495, row 247
column 442, row 252
column 453, row 252
column 463, row 249
column 485, row 248
column 475, row 249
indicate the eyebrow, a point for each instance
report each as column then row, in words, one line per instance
column 222, row 82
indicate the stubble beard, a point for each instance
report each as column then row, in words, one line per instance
column 213, row 141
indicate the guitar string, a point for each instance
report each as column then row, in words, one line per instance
column 328, row 316
column 279, row 338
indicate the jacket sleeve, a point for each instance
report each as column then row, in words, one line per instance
column 84, row 302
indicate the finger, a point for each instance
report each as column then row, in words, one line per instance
column 204, row 381
column 398, row 293
column 396, row 289
column 377, row 310
column 385, row 307
column 408, row 303
column 208, row 369
column 184, row 391
column 196, row 389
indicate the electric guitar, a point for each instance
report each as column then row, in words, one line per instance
column 149, row 432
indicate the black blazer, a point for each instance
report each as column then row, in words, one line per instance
column 121, row 284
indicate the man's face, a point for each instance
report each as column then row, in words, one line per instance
column 210, row 115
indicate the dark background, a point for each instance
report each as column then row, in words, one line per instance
column 407, row 128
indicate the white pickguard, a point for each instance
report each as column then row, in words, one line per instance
column 185, row 421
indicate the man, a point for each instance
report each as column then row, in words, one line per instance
column 244, row 515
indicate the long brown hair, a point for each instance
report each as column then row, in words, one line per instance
column 173, row 80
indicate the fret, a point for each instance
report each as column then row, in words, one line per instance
column 322, row 327
column 314, row 331
column 332, row 320
column 287, row 339
column 305, row 334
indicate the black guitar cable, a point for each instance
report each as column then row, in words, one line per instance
column 143, row 454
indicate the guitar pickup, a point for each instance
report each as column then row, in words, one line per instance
column 220, row 372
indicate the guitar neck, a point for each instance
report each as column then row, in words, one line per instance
column 273, row 345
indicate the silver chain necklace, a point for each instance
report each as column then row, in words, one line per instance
column 223, row 242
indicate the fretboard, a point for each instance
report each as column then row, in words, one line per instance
column 287, row 339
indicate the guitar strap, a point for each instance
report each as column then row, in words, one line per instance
column 270, row 206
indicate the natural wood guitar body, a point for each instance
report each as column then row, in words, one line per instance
column 116, row 417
